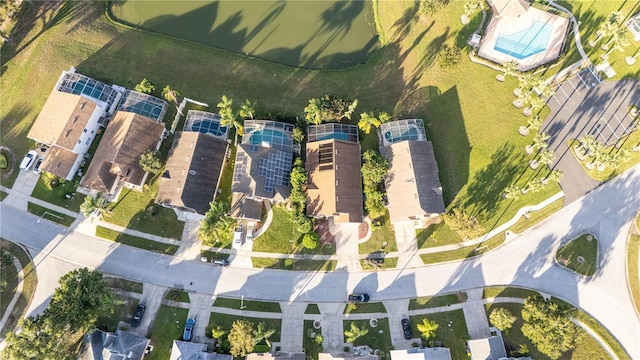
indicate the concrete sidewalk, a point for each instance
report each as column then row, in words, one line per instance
column 475, row 315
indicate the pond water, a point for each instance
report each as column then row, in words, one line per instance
column 312, row 34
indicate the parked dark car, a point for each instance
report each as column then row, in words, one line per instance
column 406, row 329
column 359, row 298
column 188, row 329
column 221, row 262
column 137, row 316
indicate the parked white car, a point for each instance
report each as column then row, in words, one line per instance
column 29, row 160
column 237, row 237
column 251, row 226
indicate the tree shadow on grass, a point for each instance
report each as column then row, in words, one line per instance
column 485, row 190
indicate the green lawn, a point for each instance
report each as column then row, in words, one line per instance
column 282, row 237
column 177, row 295
column 377, row 338
column 504, row 291
column 168, row 325
column 123, row 311
column 312, row 309
column 465, row 252
column 57, row 195
column 225, row 321
column 9, row 276
column 213, row 254
column 3, row 195
column 633, row 246
column 130, row 210
column 427, row 302
column 51, row 215
column 585, row 347
column 383, row 238
column 135, row 241
column 365, row 308
column 293, row 264
column 580, row 255
column 437, row 235
column 249, row 305
column 451, row 332
column 311, row 348
column 389, row 263
column 28, row 287
column 536, row 216
column 124, row 284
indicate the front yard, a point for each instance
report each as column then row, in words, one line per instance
column 168, row 325
column 451, row 332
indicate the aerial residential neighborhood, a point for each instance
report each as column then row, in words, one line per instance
column 320, row 180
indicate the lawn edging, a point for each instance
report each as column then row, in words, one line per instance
column 632, row 248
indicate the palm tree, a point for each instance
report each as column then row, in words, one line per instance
column 225, row 105
column 533, row 185
column 630, row 60
column 584, row 149
column 511, row 192
column 524, row 82
column 313, row 113
column 262, row 333
column 619, row 158
column 614, row 21
column 536, row 82
column 351, row 109
column 354, row 333
column 367, row 121
column 618, row 42
column 170, row 95
column 547, row 157
column 535, row 102
column 223, row 228
column 509, row 68
column 217, row 331
column 469, row 8
column 247, row 110
column 553, row 176
column 598, row 151
column 533, row 123
column 539, row 142
column 427, row 328
column 384, row 117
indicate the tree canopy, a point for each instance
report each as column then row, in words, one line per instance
column 502, row 319
column 548, row 325
column 241, row 338
column 310, row 240
column 149, row 162
column 145, row 86
column 329, row 108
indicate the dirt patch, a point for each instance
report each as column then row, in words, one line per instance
column 363, row 229
column 321, row 227
column 11, row 160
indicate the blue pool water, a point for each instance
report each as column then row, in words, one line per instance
column 267, row 136
column 527, row 42
column 410, row 134
column 210, row 127
column 334, row 135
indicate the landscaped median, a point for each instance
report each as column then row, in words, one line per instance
column 580, row 255
column 51, row 215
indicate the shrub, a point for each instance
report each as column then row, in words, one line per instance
column 288, row 263
column 3, row 161
column 310, row 240
column 449, row 57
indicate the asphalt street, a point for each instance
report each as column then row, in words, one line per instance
column 526, row 260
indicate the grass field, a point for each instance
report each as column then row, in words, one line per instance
column 337, row 35
column 585, row 347
column 451, row 332
column 168, row 325
column 177, row 295
column 123, row 284
column 504, row 291
column 57, row 195
column 50, row 215
column 580, row 255
column 135, row 241
column 28, row 287
column 293, row 264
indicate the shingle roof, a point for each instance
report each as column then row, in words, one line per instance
column 183, row 350
column 62, row 119
column 487, row 349
column 277, row 356
column 247, row 174
column 193, row 168
column 243, row 208
column 334, row 184
column 119, row 346
column 127, row 136
column 412, row 183
column 437, row 353
column 511, row 8
column 59, row 161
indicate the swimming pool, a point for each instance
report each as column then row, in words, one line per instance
column 334, row 135
column 526, row 42
column 394, row 136
column 268, row 137
column 208, row 127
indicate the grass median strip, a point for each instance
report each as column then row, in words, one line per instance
column 364, row 308
column 632, row 267
column 505, row 291
column 49, row 214
column 249, row 305
column 177, row 295
column 124, row 284
column 294, row 264
column 427, row 302
column 135, row 241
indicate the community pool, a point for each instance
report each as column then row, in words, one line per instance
column 411, row 133
column 526, row 42
column 208, row 127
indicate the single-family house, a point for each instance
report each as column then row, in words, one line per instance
column 100, row 345
column 435, row 353
column 262, row 167
column 413, row 186
column 184, row 350
column 116, row 161
column 69, row 121
column 347, row 356
column 490, row 348
column 279, row 355
column 334, row 182
column 192, row 173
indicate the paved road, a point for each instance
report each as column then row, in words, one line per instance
column 526, row 260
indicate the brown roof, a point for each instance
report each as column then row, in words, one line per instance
column 277, row 356
column 62, row 119
column 243, row 208
column 334, row 184
column 412, row 183
column 510, row 8
column 190, row 178
column 59, row 161
column 127, row 136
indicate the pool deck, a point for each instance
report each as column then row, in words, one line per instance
column 510, row 25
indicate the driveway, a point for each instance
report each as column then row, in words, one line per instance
column 527, row 260
column 581, row 107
